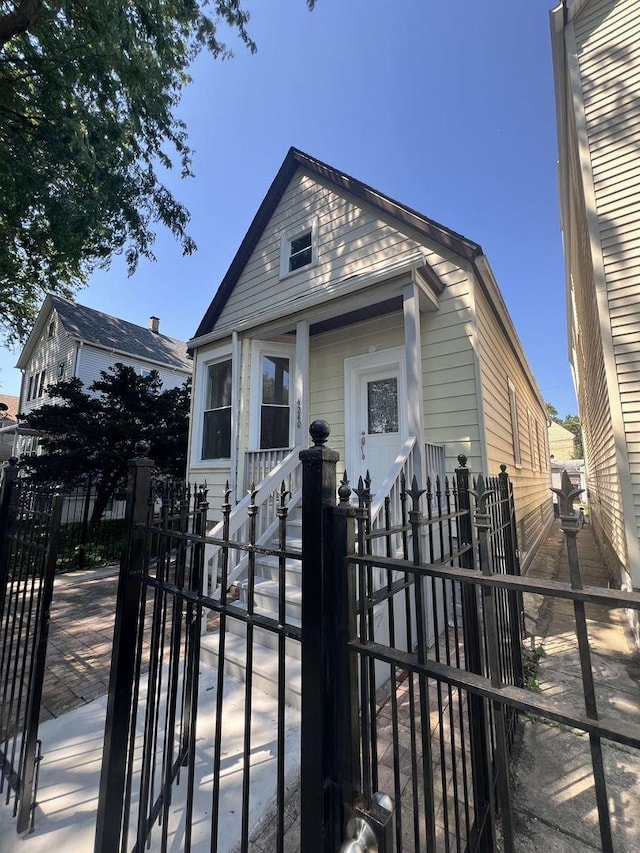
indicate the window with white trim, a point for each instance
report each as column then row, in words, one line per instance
column 532, row 440
column 298, row 249
column 544, row 462
column 275, row 410
column 515, row 435
column 216, row 425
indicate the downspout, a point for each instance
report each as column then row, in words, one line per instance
column 76, row 361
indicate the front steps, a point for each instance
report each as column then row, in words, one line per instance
column 265, row 643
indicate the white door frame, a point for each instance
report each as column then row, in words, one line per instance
column 354, row 368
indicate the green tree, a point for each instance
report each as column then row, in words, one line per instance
column 95, row 433
column 573, row 424
column 88, row 97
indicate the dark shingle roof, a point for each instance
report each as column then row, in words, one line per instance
column 94, row 327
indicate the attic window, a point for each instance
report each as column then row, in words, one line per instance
column 298, row 249
column 52, row 328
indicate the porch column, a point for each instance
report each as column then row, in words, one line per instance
column 300, row 400
column 236, row 419
column 413, row 355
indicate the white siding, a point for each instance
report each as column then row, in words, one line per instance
column 607, row 36
column 93, row 360
column 352, row 240
column 49, row 354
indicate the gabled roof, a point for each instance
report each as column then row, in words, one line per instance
column 345, row 184
column 102, row 330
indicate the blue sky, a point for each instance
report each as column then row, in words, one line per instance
column 446, row 107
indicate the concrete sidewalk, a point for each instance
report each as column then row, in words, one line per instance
column 553, row 789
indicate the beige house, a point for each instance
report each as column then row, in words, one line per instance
column 596, row 47
column 345, row 305
column 562, row 442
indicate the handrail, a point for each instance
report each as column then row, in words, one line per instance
column 403, row 462
column 265, row 500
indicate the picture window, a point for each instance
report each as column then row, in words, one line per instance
column 216, row 428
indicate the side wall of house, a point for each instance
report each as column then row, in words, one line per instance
column 53, row 355
column 515, row 426
column 92, row 360
column 607, row 295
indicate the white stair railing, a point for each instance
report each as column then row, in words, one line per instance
column 266, row 499
column 392, row 488
column 260, row 463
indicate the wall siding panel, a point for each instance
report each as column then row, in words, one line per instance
column 608, row 52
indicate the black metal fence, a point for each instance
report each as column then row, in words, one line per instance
column 401, row 645
column 29, row 524
column 86, row 541
column 368, row 724
column 156, row 710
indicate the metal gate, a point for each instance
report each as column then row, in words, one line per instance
column 410, row 647
column 29, row 525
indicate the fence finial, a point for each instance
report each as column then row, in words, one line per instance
column 142, row 449
column 319, row 432
column 567, row 493
column 344, row 490
column 462, row 459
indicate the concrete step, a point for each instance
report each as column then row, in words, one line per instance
column 266, row 638
column 268, row 566
column 265, row 664
column 265, row 598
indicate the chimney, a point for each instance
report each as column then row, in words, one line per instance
column 154, row 325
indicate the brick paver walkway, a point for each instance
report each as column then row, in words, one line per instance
column 80, row 640
column 554, row 796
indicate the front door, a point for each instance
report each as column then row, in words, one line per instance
column 377, row 409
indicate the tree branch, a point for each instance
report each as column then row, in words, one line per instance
column 18, row 21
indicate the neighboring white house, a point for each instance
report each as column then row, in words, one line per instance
column 596, row 49
column 70, row 340
column 345, row 305
column 8, row 417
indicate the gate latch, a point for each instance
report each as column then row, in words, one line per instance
column 371, row 831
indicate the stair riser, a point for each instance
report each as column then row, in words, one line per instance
column 267, row 604
column 236, row 669
column 265, row 638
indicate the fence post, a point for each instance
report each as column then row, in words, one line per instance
column 569, row 526
column 480, row 766
column 109, row 821
column 342, row 591
column 501, row 751
column 318, row 796
column 512, row 563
